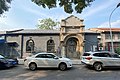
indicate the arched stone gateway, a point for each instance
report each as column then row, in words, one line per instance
column 72, row 37
column 73, row 46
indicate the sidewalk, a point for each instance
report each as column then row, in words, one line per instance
column 20, row 61
column 77, row 61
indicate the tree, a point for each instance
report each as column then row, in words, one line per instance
column 78, row 5
column 4, row 5
column 117, row 50
column 47, row 24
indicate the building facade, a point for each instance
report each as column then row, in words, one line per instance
column 105, row 39
column 70, row 41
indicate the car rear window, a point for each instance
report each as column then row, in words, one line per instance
column 115, row 55
column 101, row 55
column 86, row 54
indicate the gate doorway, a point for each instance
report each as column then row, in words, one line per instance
column 71, row 48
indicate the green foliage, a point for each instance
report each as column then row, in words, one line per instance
column 68, row 5
column 117, row 50
column 4, row 5
column 47, row 24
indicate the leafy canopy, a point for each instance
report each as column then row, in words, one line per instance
column 68, row 5
column 4, row 5
column 47, row 24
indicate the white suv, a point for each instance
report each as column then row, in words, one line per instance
column 101, row 59
column 47, row 60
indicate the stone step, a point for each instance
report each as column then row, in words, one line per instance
column 74, row 62
column 20, row 61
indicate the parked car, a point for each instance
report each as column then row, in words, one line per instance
column 47, row 60
column 6, row 63
column 101, row 59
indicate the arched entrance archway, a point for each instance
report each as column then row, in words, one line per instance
column 71, row 48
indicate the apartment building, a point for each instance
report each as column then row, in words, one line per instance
column 104, row 38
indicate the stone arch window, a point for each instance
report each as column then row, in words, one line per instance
column 50, row 46
column 30, row 46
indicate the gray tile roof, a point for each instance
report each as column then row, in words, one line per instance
column 38, row 31
column 26, row 31
column 2, row 32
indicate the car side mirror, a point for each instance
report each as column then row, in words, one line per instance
column 56, row 57
column 119, row 55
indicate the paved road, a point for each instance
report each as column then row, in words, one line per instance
column 78, row 72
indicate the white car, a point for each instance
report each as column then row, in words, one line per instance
column 101, row 59
column 47, row 60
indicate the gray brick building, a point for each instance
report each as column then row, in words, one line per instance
column 70, row 41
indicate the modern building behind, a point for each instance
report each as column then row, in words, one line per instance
column 105, row 39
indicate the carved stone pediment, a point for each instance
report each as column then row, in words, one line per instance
column 72, row 21
column 72, row 24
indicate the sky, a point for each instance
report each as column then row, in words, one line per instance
column 24, row 14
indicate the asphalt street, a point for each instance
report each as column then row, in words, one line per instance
column 78, row 72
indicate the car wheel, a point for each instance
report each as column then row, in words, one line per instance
column 97, row 66
column 32, row 66
column 62, row 66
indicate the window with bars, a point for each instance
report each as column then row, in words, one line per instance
column 30, row 45
column 50, row 46
column 107, row 36
column 118, row 36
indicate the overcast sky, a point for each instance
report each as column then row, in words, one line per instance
column 25, row 14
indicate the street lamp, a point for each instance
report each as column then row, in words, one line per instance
column 110, row 27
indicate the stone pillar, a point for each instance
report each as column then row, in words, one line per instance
column 63, row 51
column 62, row 46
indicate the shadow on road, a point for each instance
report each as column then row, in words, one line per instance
column 5, row 68
column 104, row 69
